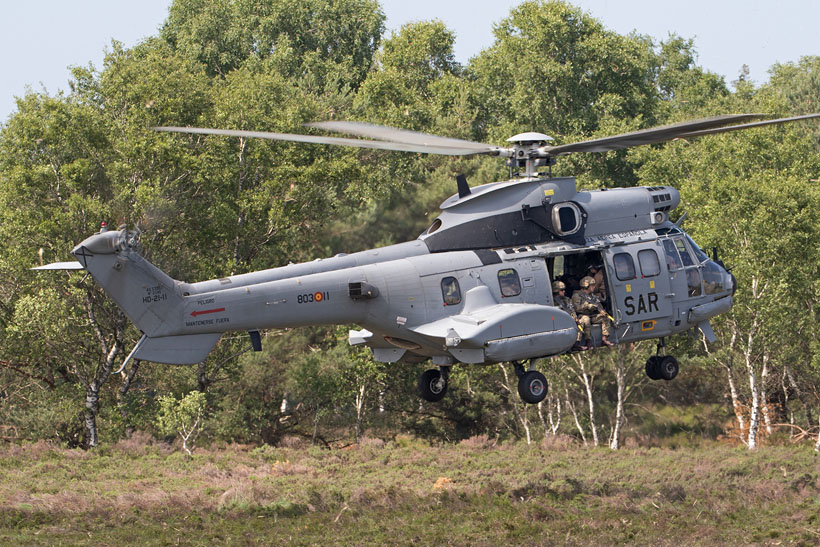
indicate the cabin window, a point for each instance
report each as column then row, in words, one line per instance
column 684, row 254
column 673, row 261
column 509, row 282
column 450, row 291
column 624, row 266
column 650, row 265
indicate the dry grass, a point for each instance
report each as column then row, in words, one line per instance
column 393, row 493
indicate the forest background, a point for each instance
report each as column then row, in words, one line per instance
column 211, row 207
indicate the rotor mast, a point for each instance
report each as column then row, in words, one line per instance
column 528, row 151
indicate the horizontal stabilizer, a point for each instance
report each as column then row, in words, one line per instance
column 187, row 349
column 72, row 265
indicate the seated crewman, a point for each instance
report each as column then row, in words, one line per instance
column 596, row 272
column 562, row 301
column 590, row 311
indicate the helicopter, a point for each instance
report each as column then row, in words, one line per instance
column 474, row 287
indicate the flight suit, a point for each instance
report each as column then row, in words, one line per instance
column 590, row 312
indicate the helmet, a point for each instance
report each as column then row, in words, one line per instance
column 558, row 286
column 587, row 281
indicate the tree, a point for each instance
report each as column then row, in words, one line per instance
column 322, row 45
column 183, row 417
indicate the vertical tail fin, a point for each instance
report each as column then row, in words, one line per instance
column 149, row 297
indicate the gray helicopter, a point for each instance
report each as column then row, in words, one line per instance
column 475, row 287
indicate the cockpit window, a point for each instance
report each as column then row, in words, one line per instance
column 673, row 261
column 650, row 266
column 701, row 256
column 450, row 291
column 624, row 266
column 693, row 281
column 714, row 279
column 684, row 254
column 509, row 282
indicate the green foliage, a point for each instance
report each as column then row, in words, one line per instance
column 323, row 46
column 211, row 206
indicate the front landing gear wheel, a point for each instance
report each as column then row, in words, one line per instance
column 532, row 387
column 652, row 367
column 432, row 385
column 668, row 367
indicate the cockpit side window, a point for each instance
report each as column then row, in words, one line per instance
column 450, row 291
column 624, row 266
column 673, row 261
column 693, row 281
column 509, row 282
column 650, row 266
column 684, row 253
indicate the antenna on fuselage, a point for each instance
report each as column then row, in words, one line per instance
column 463, row 187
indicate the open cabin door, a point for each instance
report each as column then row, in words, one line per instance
column 639, row 283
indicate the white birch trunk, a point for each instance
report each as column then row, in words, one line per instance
column 543, row 421
column 359, row 409
column 555, row 423
column 620, row 377
column 764, row 401
column 575, row 416
column 587, row 379
column 754, row 388
column 817, row 445
column 521, row 416
column 588, row 385
column 728, row 365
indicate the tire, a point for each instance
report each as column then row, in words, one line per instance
column 532, row 387
column 429, row 387
column 653, row 367
column 668, row 367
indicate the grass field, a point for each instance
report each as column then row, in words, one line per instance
column 407, row 492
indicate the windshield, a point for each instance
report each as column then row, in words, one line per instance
column 701, row 256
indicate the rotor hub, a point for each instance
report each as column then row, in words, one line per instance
column 528, row 152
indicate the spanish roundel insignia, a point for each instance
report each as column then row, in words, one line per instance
column 318, row 297
column 648, row 325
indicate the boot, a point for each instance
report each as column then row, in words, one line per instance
column 606, row 342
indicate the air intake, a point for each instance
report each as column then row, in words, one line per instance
column 359, row 290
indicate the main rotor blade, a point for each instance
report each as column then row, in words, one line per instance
column 649, row 136
column 314, row 139
column 392, row 134
column 749, row 125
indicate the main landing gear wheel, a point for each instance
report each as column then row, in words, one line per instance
column 432, row 385
column 532, row 387
column 652, row 367
column 662, row 367
column 668, row 367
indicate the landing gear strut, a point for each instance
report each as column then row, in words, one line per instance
column 532, row 385
column 661, row 367
column 433, row 384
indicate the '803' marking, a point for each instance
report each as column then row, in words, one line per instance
column 318, row 296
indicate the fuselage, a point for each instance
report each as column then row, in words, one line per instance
column 475, row 287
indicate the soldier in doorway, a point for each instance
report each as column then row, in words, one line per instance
column 562, row 301
column 591, row 312
column 596, row 272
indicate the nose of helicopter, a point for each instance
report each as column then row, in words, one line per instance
column 734, row 283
